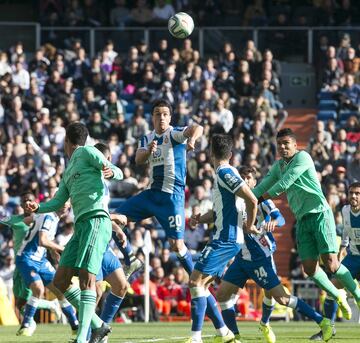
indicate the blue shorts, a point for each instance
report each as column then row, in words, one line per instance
column 32, row 271
column 109, row 264
column 352, row 262
column 263, row 272
column 215, row 256
column 167, row 208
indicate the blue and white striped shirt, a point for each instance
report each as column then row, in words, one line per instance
column 260, row 246
column 168, row 162
column 228, row 209
column 351, row 233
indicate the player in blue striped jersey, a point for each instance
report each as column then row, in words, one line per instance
column 227, row 214
column 164, row 149
column 350, row 243
column 255, row 261
column 37, row 271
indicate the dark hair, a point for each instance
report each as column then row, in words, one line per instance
column 77, row 133
column 161, row 103
column 286, row 132
column 247, row 170
column 221, row 146
column 25, row 193
column 354, row 185
column 103, row 147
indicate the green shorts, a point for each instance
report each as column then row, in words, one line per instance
column 19, row 287
column 87, row 246
column 316, row 235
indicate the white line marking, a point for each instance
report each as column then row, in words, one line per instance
column 163, row 339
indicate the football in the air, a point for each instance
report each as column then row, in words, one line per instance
column 181, row 25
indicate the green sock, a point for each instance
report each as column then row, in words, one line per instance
column 45, row 305
column 86, row 311
column 322, row 281
column 344, row 276
column 73, row 296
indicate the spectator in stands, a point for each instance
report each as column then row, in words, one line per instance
column 119, row 14
column 162, row 12
column 141, row 14
column 350, row 93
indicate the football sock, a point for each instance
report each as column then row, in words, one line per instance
column 70, row 314
column 303, row 308
column 112, row 304
column 185, row 259
column 267, row 308
column 330, row 309
column 213, row 312
column 44, row 304
column 229, row 316
column 127, row 251
column 86, row 311
column 344, row 276
column 198, row 308
column 323, row 282
column 30, row 309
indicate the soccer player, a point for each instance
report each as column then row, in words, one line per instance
column 82, row 182
column 295, row 175
column 228, row 237
column 21, row 292
column 111, row 270
column 165, row 151
column 255, row 261
column 37, row 271
column 351, row 243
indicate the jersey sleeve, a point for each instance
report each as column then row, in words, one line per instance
column 98, row 161
column 230, row 180
column 48, row 221
column 143, row 143
column 267, row 182
column 58, row 201
column 345, row 239
column 300, row 163
column 272, row 212
column 178, row 134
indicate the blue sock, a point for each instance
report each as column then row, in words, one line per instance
column 186, row 261
column 308, row 311
column 127, row 251
column 266, row 313
column 198, row 308
column 71, row 316
column 112, row 304
column 30, row 309
column 230, row 319
column 213, row 312
column 330, row 309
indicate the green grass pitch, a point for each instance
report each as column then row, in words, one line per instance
column 295, row 332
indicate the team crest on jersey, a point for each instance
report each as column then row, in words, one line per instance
column 166, row 140
column 157, row 153
column 231, row 180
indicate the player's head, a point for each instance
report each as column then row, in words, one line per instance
column 248, row 174
column 286, row 143
column 221, row 147
column 354, row 196
column 26, row 197
column 105, row 149
column 161, row 112
column 76, row 135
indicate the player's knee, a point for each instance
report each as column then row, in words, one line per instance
column 309, row 269
column 282, row 300
column 332, row 266
column 194, row 283
column 61, row 283
column 176, row 245
column 37, row 290
column 120, row 290
column 222, row 297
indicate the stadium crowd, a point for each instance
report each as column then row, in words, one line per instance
column 211, row 12
column 236, row 93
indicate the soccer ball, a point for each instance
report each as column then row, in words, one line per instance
column 181, row 25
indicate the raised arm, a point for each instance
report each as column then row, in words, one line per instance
column 98, row 161
column 300, row 163
column 251, row 207
column 53, row 205
column 267, row 182
column 192, row 133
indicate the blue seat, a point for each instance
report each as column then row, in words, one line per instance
column 325, row 95
column 130, row 107
column 345, row 115
column 328, row 105
column 326, row 115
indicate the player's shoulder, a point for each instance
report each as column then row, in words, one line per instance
column 303, row 155
column 177, row 128
column 345, row 209
column 229, row 175
column 229, row 170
